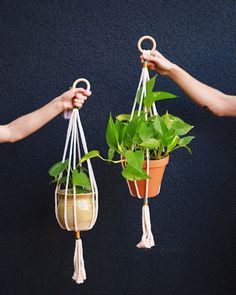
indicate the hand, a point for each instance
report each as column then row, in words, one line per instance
column 75, row 97
column 157, row 62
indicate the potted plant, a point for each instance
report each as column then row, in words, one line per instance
column 79, row 186
column 132, row 137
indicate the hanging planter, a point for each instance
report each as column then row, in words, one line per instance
column 83, row 205
column 144, row 139
column 76, row 194
column 156, row 172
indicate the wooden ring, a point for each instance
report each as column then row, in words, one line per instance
column 154, row 45
column 81, row 80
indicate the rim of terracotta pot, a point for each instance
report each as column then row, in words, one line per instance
column 157, row 163
column 62, row 193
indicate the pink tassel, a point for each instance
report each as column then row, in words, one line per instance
column 147, row 240
column 79, row 275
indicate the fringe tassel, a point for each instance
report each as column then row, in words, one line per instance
column 147, row 240
column 79, row 270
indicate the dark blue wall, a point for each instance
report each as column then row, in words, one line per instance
column 45, row 46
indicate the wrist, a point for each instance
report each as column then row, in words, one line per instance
column 174, row 72
column 58, row 104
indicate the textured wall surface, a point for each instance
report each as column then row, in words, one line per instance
column 45, row 46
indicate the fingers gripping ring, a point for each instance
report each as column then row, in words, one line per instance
column 67, row 114
column 81, row 80
column 154, row 45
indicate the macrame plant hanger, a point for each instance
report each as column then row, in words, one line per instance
column 71, row 200
column 147, row 240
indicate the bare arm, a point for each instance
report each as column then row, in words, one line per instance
column 205, row 96
column 28, row 124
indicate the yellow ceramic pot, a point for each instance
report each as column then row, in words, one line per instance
column 84, row 210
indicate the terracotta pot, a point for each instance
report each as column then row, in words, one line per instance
column 156, row 172
column 84, row 210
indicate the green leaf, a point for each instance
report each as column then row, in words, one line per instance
column 158, row 125
column 173, row 143
column 57, row 168
column 151, row 143
column 121, row 129
column 89, row 155
column 188, row 149
column 80, row 179
column 150, row 85
column 145, row 132
column 62, row 180
column 110, row 153
column 139, row 94
column 123, row 132
column 181, row 127
column 136, row 140
column 123, row 117
column 167, row 120
column 83, row 169
column 185, row 140
column 131, row 130
column 130, row 173
column 149, row 88
column 135, row 159
column 157, row 96
column 168, row 137
column 112, row 134
column 81, row 190
column 135, row 115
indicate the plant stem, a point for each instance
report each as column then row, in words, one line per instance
column 160, row 151
column 115, row 162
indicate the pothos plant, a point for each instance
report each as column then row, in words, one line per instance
column 131, row 137
column 78, row 177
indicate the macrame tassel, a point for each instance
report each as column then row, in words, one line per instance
column 147, row 240
column 79, row 270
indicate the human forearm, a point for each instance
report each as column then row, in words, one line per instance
column 200, row 93
column 27, row 124
column 205, row 96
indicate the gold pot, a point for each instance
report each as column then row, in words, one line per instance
column 84, row 210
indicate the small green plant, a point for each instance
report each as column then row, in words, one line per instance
column 78, row 177
column 131, row 137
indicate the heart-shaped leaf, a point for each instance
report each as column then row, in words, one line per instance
column 131, row 173
column 151, row 143
column 157, row 96
column 112, row 134
column 185, row 140
column 80, row 179
column 135, row 159
column 89, row 155
column 145, row 131
column 58, row 168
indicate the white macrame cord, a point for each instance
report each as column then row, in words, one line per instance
column 75, row 137
column 147, row 240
